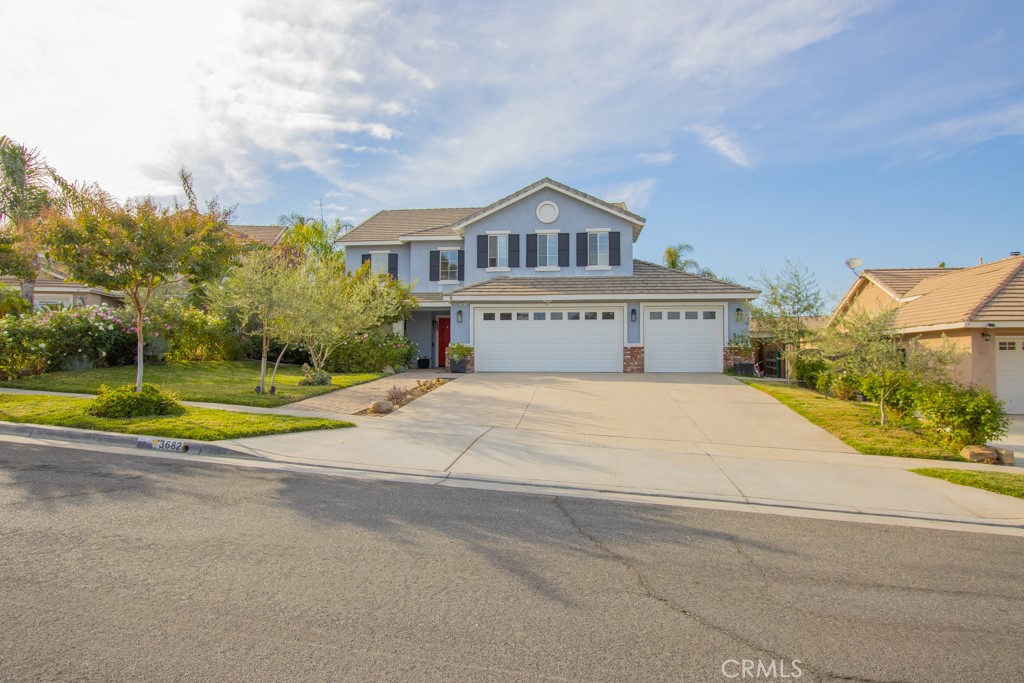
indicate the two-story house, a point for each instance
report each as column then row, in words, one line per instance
column 545, row 280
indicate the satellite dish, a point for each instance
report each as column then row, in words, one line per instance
column 854, row 263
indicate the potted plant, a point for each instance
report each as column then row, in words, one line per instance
column 458, row 355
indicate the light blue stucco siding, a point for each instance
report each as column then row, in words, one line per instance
column 574, row 216
column 420, row 330
column 633, row 322
column 354, row 257
column 419, row 271
column 741, row 326
column 461, row 331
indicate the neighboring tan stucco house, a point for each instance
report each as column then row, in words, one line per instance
column 53, row 289
column 545, row 280
column 979, row 309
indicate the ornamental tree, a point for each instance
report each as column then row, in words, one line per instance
column 137, row 246
column 330, row 305
column 787, row 300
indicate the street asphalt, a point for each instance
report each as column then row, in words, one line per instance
column 126, row 568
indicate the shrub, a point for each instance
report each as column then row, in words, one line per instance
column 459, row 351
column 126, row 402
column 396, row 394
column 901, row 400
column 12, row 302
column 808, row 369
column 314, row 378
column 193, row 334
column 372, row 352
column 844, row 385
column 66, row 339
column 963, row 416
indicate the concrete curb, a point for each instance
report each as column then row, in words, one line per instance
column 34, row 431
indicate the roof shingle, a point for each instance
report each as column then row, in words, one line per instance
column 647, row 279
column 265, row 234
column 390, row 225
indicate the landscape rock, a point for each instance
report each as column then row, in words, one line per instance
column 382, row 407
column 1005, row 456
column 983, row 454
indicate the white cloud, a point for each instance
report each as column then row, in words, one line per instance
column 635, row 193
column 656, row 158
column 240, row 89
column 725, row 143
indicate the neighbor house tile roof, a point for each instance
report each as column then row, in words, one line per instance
column 390, row 225
column 265, row 234
column 899, row 281
column 647, row 279
column 985, row 293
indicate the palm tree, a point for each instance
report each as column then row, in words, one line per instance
column 29, row 187
column 675, row 258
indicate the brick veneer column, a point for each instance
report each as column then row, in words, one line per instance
column 633, row 359
column 730, row 356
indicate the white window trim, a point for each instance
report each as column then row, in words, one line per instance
column 549, row 231
column 599, row 267
column 548, row 269
column 378, row 252
column 498, row 270
column 448, row 282
column 498, row 232
column 599, row 229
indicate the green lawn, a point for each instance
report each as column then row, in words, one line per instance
column 213, row 381
column 856, row 424
column 202, row 424
column 999, row 482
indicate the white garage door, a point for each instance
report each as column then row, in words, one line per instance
column 580, row 339
column 1010, row 373
column 683, row 339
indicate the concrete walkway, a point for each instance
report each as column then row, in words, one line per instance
column 352, row 400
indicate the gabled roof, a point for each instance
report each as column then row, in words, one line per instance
column 614, row 208
column 648, row 281
column 899, row 281
column 269, row 235
column 392, row 225
column 991, row 292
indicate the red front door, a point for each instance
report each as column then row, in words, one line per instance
column 444, row 337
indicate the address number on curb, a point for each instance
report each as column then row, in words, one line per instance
column 162, row 445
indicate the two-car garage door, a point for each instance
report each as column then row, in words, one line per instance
column 1010, row 373
column 578, row 339
column 590, row 338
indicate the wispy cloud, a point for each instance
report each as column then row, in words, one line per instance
column 656, row 158
column 635, row 193
column 725, row 143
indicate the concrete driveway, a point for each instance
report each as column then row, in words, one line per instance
column 696, row 439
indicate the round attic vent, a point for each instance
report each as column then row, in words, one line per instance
column 547, row 212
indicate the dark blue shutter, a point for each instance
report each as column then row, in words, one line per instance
column 435, row 266
column 393, row 265
column 462, row 265
column 366, row 258
column 563, row 249
column 614, row 248
column 531, row 251
column 513, row 251
column 581, row 250
column 481, row 251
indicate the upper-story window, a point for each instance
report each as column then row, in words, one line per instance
column 379, row 262
column 497, row 251
column 449, row 265
column 547, row 250
column 597, row 248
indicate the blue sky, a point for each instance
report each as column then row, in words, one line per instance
column 755, row 131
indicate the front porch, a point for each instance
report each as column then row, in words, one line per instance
column 430, row 329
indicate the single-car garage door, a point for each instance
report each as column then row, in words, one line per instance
column 683, row 339
column 1010, row 373
column 576, row 339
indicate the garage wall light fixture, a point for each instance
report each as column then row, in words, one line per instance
column 985, row 334
column 458, row 317
column 632, row 315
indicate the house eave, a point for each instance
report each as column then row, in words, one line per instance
column 547, row 298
